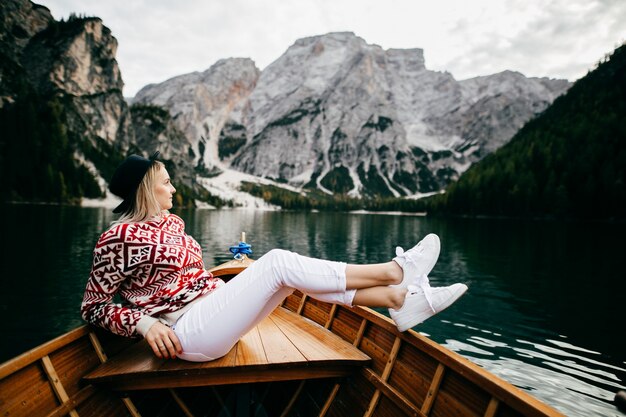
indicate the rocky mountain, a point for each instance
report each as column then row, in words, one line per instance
column 206, row 105
column 333, row 113
column 498, row 105
column 62, row 114
column 61, row 96
column 19, row 22
column 75, row 60
column 155, row 130
column 343, row 116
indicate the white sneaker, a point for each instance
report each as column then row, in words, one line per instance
column 420, row 305
column 417, row 262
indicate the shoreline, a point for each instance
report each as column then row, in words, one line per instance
column 110, row 203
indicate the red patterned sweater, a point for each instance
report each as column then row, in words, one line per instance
column 154, row 266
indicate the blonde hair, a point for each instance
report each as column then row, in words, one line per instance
column 146, row 205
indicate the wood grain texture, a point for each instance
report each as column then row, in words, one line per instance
column 250, row 350
column 278, row 347
column 284, row 346
column 406, row 374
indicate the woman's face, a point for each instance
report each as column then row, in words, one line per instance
column 163, row 189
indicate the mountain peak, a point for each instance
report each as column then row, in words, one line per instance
column 338, row 114
column 331, row 36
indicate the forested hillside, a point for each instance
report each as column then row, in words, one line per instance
column 569, row 161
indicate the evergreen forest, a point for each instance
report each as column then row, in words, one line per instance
column 570, row 161
column 37, row 153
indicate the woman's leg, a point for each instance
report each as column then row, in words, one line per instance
column 373, row 275
column 212, row 326
column 380, row 297
column 371, row 285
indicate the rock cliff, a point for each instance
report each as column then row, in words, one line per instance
column 206, row 106
column 333, row 113
column 19, row 22
column 340, row 115
column 75, row 60
column 63, row 76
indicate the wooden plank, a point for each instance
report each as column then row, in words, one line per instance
column 131, row 407
column 328, row 340
column 313, row 341
column 392, row 358
column 346, row 324
column 250, row 350
column 74, row 402
column 400, row 400
column 233, row 375
column 137, row 358
column 331, row 316
column 72, row 362
column 434, row 389
column 295, row 396
column 517, row 399
column 373, row 403
column 329, row 400
column 179, row 365
column 232, row 267
column 377, row 343
column 292, row 302
column 219, row 397
column 460, row 396
column 316, row 310
column 492, row 408
column 281, row 347
column 56, row 383
column 97, row 347
column 413, row 373
column 225, row 361
column 302, row 302
column 360, row 333
column 27, row 392
column 186, row 411
column 278, row 347
column 304, row 339
column 33, row 355
column 385, row 375
column 313, row 312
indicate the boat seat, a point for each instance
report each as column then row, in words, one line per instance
column 284, row 346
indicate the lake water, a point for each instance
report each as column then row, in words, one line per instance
column 546, row 308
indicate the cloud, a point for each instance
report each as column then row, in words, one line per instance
column 159, row 39
column 558, row 39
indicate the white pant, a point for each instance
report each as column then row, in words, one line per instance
column 213, row 325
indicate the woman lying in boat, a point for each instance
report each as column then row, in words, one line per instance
column 183, row 311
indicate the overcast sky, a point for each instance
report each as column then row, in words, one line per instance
column 159, row 39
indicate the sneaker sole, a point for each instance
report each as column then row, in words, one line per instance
column 457, row 291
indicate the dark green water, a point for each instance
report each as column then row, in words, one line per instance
column 546, row 309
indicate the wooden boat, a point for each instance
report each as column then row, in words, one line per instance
column 308, row 358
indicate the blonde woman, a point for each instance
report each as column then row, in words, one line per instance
column 182, row 311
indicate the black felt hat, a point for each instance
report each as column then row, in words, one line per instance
column 127, row 178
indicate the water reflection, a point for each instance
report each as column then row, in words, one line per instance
column 543, row 309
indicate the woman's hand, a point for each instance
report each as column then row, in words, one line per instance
column 163, row 341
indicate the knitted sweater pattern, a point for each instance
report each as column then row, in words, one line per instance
column 154, row 266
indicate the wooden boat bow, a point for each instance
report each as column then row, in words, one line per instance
column 308, row 357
